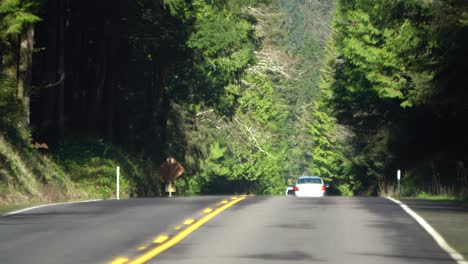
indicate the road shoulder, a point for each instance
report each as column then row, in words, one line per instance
column 18, row 208
column 449, row 218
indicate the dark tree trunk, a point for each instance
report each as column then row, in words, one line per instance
column 109, row 93
column 25, row 69
column 61, row 70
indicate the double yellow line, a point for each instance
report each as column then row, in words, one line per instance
column 178, row 237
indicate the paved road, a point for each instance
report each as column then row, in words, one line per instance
column 259, row 229
column 90, row 232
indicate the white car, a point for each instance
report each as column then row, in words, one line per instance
column 309, row 186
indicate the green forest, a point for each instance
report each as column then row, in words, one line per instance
column 246, row 94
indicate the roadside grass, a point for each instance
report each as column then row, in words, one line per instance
column 91, row 164
column 460, row 200
column 428, row 196
column 26, row 176
column 434, row 193
column 78, row 169
column 30, row 177
column 6, row 208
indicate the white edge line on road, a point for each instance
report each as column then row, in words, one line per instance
column 457, row 257
column 46, row 205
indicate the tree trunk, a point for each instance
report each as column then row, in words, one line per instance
column 25, row 69
column 45, row 111
column 111, row 86
column 101, row 82
column 61, row 71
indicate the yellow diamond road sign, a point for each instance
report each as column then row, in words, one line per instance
column 170, row 169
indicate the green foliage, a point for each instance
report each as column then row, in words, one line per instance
column 24, row 173
column 246, row 155
column 92, row 164
column 11, row 112
column 345, row 189
column 27, row 175
column 330, row 154
column 228, row 139
column 174, row 5
column 388, row 81
column 223, row 46
column 230, row 88
column 14, row 14
column 301, row 29
column 325, row 156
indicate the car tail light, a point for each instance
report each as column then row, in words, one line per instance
column 324, row 188
column 296, row 188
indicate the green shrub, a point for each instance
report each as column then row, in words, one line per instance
column 92, row 164
column 345, row 189
column 408, row 190
column 11, row 111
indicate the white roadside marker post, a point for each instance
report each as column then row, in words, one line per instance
column 398, row 178
column 118, row 182
column 170, row 176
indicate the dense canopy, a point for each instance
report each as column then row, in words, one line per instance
column 246, row 95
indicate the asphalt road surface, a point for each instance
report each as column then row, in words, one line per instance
column 253, row 229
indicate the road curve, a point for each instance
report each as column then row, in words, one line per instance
column 259, row 229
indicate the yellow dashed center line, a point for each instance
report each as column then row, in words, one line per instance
column 120, row 260
column 207, row 210
column 189, row 221
column 177, row 227
column 234, row 197
column 178, row 237
column 160, row 239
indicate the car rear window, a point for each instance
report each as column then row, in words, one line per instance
column 309, row 180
